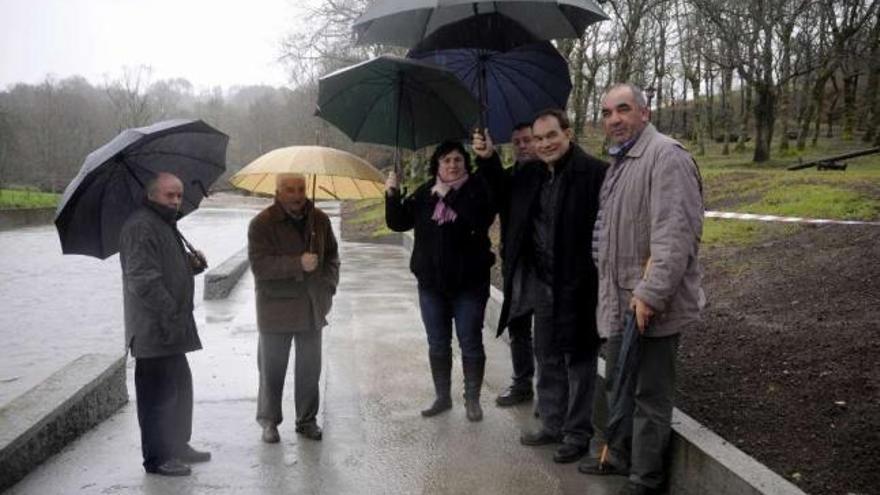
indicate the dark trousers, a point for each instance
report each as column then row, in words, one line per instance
column 273, row 353
column 521, row 353
column 163, row 387
column 644, row 448
column 565, row 379
column 466, row 308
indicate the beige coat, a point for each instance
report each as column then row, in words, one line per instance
column 290, row 300
column 653, row 210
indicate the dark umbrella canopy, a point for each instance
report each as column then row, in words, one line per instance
column 512, row 85
column 397, row 102
column 111, row 182
column 490, row 31
column 407, row 22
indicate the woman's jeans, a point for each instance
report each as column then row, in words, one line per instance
column 466, row 308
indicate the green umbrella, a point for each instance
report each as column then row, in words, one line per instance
column 397, row 102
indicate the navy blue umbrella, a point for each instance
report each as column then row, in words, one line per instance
column 512, row 86
column 111, row 182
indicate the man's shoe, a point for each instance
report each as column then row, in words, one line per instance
column 631, row 488
column 592, row 466
column 190, row 455
column 270, row 434
column 570, row 453
column 310, row 431
column 513, row 396
column 473, row 410
column 440, row 404
column 171, row 467
column 540, row 437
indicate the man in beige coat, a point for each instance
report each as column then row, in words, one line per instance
column 295, row 261
column 645, row 244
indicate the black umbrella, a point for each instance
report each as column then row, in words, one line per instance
column 408, row 22
column 397, row 102
column 110, row 183
column 512, row 86
column 622, row 400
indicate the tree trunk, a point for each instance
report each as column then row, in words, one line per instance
column 726, row 110
column 814, row 109
column 577, row 92
column 709, row 80
column 784, row 87
column 659, row 71
column 745, row 113
column 850, row 88
column 699, row 126
column 832, row 110
column 765, row 118
column 871, row 91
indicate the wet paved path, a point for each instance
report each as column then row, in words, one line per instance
column 375, row 380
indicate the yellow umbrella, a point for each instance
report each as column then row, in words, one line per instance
column 330, row 173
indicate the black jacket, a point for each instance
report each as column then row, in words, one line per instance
column 453, row 256
column 575, row 280
column 158, row 286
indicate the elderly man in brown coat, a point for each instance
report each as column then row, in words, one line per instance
column 295, row 261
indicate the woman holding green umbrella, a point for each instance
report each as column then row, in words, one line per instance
column 450, row 215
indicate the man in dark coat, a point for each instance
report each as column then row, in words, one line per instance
column 157, row 279
column 551, row 212
column 295, row 261
column 519, row 329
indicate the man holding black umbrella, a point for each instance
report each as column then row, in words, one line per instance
column 646, row 243
column 550, row 213
column 520, row 328
column 157, row 275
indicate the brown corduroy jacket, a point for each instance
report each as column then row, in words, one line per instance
column 289, row 300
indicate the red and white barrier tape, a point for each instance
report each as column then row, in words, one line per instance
column 774, row 218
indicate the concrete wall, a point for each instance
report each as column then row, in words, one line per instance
column 22, row 217
column 40, row 422
column 701, row 461
column 220, row 281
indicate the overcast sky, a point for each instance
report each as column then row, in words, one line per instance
column 208, row 42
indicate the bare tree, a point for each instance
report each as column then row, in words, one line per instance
column 325, row 42
column 128, row 95
column 630, row 15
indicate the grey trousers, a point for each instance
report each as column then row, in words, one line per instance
column 644, row 448
column 272, row 356
column 565, row 379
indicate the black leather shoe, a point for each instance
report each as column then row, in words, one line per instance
column 310, row 431
column 190, row 455
column 592, row 466
column 631, row 488
column 171, row 467
column 513, row 396
column 570, row 453
column 539, row 437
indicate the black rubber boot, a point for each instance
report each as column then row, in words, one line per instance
column 441, row 372
column 473, row 381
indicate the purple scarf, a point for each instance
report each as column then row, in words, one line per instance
column 442, row 212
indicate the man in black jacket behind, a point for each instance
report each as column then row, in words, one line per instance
column 522, row 356
column 551, row 210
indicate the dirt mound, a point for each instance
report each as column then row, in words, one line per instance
column 786, row 362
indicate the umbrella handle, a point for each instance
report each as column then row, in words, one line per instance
column 197, row 182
